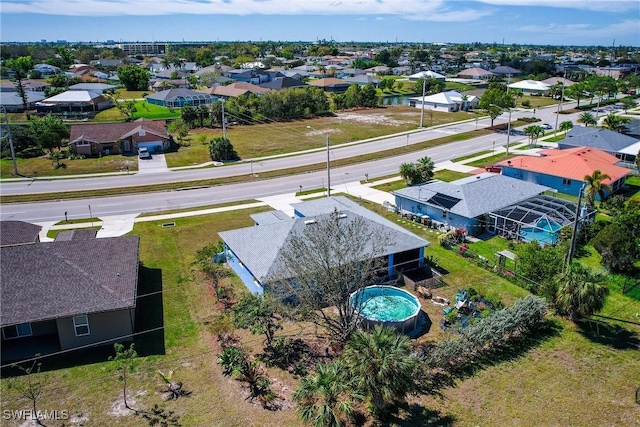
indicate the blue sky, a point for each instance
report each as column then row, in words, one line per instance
column 555, row 22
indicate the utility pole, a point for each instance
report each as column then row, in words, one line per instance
column 224, row 123
column 508, row 131
column 424, row 86
column 572, row 249
column 328, row 162
column 5, row 123
column 555, row 131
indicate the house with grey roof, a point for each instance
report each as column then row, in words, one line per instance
column 254, row 252
column 65, row 295
column 18, row 233
column 178, row 98
column 464, row 203
column 12, row 101
column 624, row 147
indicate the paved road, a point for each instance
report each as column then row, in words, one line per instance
column 190, row 198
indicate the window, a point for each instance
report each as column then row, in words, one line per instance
column 83, row 143
column 566, row 181
column 17, row 331
column 81, row 325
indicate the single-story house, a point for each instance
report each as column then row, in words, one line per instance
column 530, row 86
column 331, row 84
column 47, row 69
column 94, row 87
column 178, row 98
column 475, row 73
column 18, row 233
column 67, row 294
column 426, row 75
column 29, row 85
column 283, row 83
column 564, row 170
column 379, row 69
column 235, row 90
column 449, row 101
column 119, row 138
column 160, row 85
column 464, row 203
column 253, row 252
column 12, row 101
column 624, row 147
column 74, row 100
column 362, row 80
column 505, row 70
column 552, row 81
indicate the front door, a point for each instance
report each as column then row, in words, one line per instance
column 127, row 146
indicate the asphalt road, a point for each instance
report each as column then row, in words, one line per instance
column 188, row 198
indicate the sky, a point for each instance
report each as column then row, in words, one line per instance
column 545, row 22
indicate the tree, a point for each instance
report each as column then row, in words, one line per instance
column 125, row 361
column 134, row 77
column 534, row 132
column 431, row 86
column 619, row 243
column 566, row 126
column 324, row 398
column 189, row 115
column 580, row 292
column 221, row 150
column 628, row 103
column 21, row 67
column 382, row 366
column 256, row 313
column 494, row 101
column 179, row 127
column 332, row 257
column 595, row 186
column 410, row 173
column 49, row 132
column 29, row 387
column 425, row 166
column 614, row 122
column 539, row 264
column 588, row 119
column 368, row 96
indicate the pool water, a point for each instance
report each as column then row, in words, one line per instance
column 387, row 307
column 546, row 233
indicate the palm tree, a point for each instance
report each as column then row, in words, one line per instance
column 425, row 166
column 324, row 398
column 534, row 132
column 580, row 292
column 614, row 122
column 408, row 171
column 465, row 102
column 382, row 365
column 595, row 186
column 566, row 126
column 587, row 119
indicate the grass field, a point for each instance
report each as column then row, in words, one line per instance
column 42, row 166
column 539, row 385
column 143, row 110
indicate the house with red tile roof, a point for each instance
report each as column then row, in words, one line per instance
column 564, row 170
column 119, row 138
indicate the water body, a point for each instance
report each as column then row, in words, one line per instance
column 396, row 99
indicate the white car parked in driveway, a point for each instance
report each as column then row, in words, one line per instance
column 143, row 153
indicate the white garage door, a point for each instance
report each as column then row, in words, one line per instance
column 152, row 146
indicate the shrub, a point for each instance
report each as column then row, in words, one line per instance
column 526, row 103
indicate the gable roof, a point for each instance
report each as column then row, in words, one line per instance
column 172, row 94
column 473, row 196
column 572, row 163
column 76, row 96
column 426, row 75
column 477, row 72
column 51, row 280
column 555, row 80
column 505, row 69
column 259, row 247
column 599, row 138
column 108, row 132
column 529, row 85
column 18, row 233
column 237, row 89
column 329, row 82
column 92, row 86
column 13, row 98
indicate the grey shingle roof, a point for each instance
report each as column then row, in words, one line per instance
column 172, row 94
column 602, row 139
column 18, row 232
column 80, row 234
column 60, row 279
column 270, row 217
column 476, row 194
column 259, row 247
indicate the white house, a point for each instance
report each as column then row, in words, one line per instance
column 449, row 101
column 530, row 86
column 426, row 75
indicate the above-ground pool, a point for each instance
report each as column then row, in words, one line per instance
column 545, row 232
column 387, row 305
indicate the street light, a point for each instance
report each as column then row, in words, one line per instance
column 560, row 103
column 508, row 123
column 328, row 162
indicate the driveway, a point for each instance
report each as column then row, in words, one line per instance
column 156, row 164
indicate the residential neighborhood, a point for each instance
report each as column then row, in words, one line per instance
column 319, row 233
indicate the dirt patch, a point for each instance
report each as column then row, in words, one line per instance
column 376, row 118
column 118, row 409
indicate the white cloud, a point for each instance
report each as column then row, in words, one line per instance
column 435, row 10
column 591, row 5
column 588, row 31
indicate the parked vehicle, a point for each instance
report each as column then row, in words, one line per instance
column 143, row 153
column 547, row 126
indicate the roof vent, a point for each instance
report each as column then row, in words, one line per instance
column 310, row 221
column 342, row 215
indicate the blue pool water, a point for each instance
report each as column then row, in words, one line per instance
column 385, row 303
column 545, row 234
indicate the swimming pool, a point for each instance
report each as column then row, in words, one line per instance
column 387, row 305
column 545, row 232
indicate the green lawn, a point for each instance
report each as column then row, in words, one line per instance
column 526, row 389
column 143, row 110
column 42, row 166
